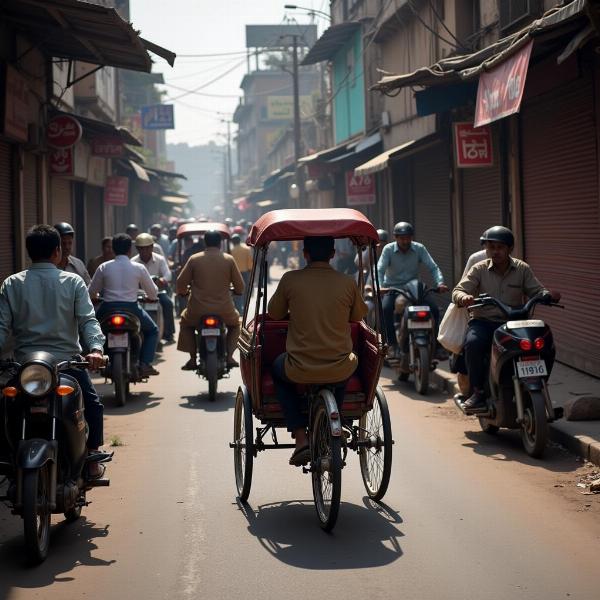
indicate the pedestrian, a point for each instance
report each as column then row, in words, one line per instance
column 107, row 254
column 243, row 259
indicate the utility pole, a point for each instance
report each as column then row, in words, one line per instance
column 297, row 125
column 227, row 173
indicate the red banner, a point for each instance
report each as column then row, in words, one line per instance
column 472, row 146
column 63, row 131
column 116, row 191
column 62, row 161
column 107, row 146
column 501, row 90
column 360, row 189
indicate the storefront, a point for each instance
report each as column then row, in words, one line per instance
column 7, row 240
column 61, row 200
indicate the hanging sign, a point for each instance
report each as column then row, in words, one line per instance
column 158, row 116
column 360, row 189
column 16, row 105
column 62, row 162
column 107, row 146
column 472, row 146
column 500, row 90
column 116, row 191
column 63, row 131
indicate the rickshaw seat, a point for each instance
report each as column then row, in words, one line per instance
column 354, row 385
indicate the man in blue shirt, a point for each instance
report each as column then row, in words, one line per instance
column 398, row 264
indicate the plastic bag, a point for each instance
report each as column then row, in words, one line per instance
column 453, row 328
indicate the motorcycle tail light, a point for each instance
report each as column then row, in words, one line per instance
column 539, row 343
column 64, row 390
column 211, row 322
column 422, row 314
column 10, row 391
column 526, row 345
column 117, row 320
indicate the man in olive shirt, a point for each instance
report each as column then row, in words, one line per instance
column 321, row 303
column 210, row 274
column 505, row 278
column 243, row 259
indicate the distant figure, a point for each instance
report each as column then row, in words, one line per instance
column 107, row 254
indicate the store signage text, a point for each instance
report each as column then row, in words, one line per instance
column 472, row 146
column 158, row 116
column 62, row 161
column 360, row 189
column 107, row 146
column 63, row 131
column 116, row 191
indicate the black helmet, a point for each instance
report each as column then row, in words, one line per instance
column 236, row 238
column 212, row 239
column 131, row 226
column 403, row 228
column 384, row 236
column 498, row 234
column 64, row 229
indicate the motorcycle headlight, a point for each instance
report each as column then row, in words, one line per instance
column 36, row 380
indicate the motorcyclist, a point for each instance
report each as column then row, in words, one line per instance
column 158, row 269
column 243, row 259
column 210, row 274
column 68, row 262
column 160, row 238
column 398, row 264
column 49, row 309
column 506, row 278
column 132, row 230
column 119, row 281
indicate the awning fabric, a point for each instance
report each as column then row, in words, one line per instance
column 277, row 175
column 139, row 171
column 175, row 199
column 324, row 154
column 344, row 151
column 456, row 69
column 329, row 44
column 162, row 173
column 93, row 127
column 380, row 162
column 79, row 30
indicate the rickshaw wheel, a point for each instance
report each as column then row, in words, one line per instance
column 326, row 455
column 243, row 453
column 376, row 461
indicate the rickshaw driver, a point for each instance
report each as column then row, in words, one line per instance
column 210, row 274
column 321, row 303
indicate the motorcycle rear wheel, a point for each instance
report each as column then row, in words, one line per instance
column 119, row 376
column 422, row 362
column 212, row 375
column 36, row 513
column 534, row 429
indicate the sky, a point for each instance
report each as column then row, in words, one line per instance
column 207, row 27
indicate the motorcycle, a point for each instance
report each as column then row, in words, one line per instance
column 211, row 347
column 44, row 436
column 154, row 309
column 415, row 328
column 521, row 361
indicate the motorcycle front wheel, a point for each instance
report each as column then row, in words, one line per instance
column 534, row 429
column 36, row 513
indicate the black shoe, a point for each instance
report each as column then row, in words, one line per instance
column 190, row 365
column 232, row 364
column 475, row 402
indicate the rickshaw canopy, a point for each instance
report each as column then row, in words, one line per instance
column 296, row 224
column 201, row 228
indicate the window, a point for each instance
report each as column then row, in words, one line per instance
column 516, row 11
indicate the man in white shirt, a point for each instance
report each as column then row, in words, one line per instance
column 158, row 269
column 119, row 281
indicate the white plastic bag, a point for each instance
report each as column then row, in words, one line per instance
column 453, row 328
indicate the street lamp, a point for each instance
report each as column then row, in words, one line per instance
column 310, row 11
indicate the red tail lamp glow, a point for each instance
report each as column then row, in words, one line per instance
column 117, row 320
column 539, row 343
column 422, row 314
column 211, row 322
column 526, row 345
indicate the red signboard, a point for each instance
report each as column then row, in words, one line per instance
column 108, row 146
column 472, row 146
column 360, row 189
column 62, row 161
column 116, row 191
column 63, row 131
column 16, row 105
column 500, row 90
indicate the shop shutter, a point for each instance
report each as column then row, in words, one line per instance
column 61, row 200
column 6, row 213
column 30, row 191
column 561, row 215
column 431, row 193
column 94, row 219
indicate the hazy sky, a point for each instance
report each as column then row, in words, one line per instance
column 207, row 27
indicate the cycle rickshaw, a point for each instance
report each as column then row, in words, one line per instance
column 363, row 424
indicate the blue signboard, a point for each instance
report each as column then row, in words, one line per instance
column 158, row 116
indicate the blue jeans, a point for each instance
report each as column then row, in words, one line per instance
column 94, row 410
column 291, row 402
column 149, row 328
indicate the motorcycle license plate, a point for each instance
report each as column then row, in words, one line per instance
column 118, row 340
column 211, row 332
column 420, row 324
column 531, row 368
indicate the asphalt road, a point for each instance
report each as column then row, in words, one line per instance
column 466, row 515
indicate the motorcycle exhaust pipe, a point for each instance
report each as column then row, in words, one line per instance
column 518, row 398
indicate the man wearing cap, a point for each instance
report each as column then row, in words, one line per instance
column 243, row 259
column 69, row 263
column 157, row 267
column 132, row 230
column 160, row 238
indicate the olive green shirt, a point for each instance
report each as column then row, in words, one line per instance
column 510, row 288
column 321, row 303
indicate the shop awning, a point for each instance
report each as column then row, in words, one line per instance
column 173, row 199
column 83, row 31
column 277, row 175
column 163, row 173
column 265, row 203
column 135, row 168
column 381, row 161
column 343, row 151
column 568, row 19
column 93, row 127
column 324, row 154
column 330, row 43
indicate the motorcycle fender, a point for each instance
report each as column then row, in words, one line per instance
column 35, row 453
column 211, row 344
column 334, row 414
column 533, row 385
column 422, row 340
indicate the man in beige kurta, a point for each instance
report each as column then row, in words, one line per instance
column 210, row 274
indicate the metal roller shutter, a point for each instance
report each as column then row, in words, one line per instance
column 431, row 193
column 7, row 266
column 61, row 200
column 561, row 215
column 30, row 191
column 94, row 219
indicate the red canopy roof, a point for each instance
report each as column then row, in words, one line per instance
column 295, row 224
column 202, row 228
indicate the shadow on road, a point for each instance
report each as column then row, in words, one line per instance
column 365, row 536
column 407, row 388
column 136, row 402
column 224, row 402
column 506, row 446
column 71, row 545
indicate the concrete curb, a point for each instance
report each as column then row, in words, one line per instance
column 582, row 445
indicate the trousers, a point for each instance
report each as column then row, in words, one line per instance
column 94, row 409
column 478, row 343
column 388, row 304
